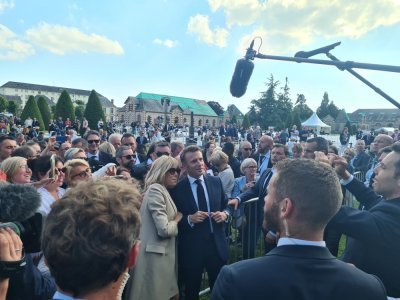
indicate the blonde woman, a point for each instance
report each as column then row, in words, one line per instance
column 155, row 275
column 17, row 170
column 107, row 148
column 76, row 170
column 220, row 160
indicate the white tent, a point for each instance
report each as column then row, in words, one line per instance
column 314, row 122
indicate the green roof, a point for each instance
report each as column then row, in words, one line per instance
column 198, row 107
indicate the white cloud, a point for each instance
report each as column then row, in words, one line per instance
column 61, row 40
column 199, row 26
column 4, row 4
column 289, row 24
column 167, row 43
column 13, row 47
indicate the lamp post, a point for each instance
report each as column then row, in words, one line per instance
column 165, row 102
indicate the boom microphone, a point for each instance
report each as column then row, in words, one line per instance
column 241, row 76
column 18, row 202
column 307, row 54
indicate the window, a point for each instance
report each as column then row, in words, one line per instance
column 199, row 122
column 176, row 120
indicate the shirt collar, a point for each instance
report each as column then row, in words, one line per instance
column 192, row 179
column 291, row 241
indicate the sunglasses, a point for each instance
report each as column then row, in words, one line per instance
column 130, row 156
column 60, row 170
column 159, row 154
column 93, row 141
column 82, row 174
column 84, row 158
column 247, row 149
column 172, row 171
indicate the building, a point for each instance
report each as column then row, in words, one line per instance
column 52, row 93
column 368, row 119
column 161, row 109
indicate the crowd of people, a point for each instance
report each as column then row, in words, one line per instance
column 122, row 215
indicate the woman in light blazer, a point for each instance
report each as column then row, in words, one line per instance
column 155, row 274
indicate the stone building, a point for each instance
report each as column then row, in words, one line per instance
column 146, row 107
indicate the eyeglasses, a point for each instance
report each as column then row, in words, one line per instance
column 83, row 174
column 93, row 141
column 130, row 156
column 159, row 154
column 172, row 171
column 24, row 167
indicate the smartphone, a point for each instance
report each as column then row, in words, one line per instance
column 53, row 133
column 12, row 226
column 52, row 173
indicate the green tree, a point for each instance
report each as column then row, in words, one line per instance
column 3, row 104
column 45, row 110
column 323, row 110
column 302, row 108
column 289, row 121
column 32, row 110
column 79, row 111
column 64, row 107
column 246, row 122
column 12, row 107
column 93, row 111
column 296, row 119
column 333, row 110
column 285, row 105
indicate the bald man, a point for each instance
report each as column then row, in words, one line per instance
column 263, row 155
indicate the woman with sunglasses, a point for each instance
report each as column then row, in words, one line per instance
column 76, row 170
column 155, row 275
column 51, row 192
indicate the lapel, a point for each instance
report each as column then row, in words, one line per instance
column 187, row 190
column 209, row 189
column 169, row 199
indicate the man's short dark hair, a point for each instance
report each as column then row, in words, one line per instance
column 127, row 135
column 6, row 137
column 228, row 149
column 163, row 144
column 321, row 144
column 175, row 145
column 188, row 149
column 91, row 132
column 24, row 151
column 314, row 189
column 285, row 148
column 89, row 233
column 80, row 140
column 120, row 151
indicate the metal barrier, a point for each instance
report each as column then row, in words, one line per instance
column 349, row 198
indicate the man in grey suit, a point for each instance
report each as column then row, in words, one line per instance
column 302, row 197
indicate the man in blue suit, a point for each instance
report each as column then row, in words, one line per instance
column 373, row 242
column 302, row 197
column 201, row 239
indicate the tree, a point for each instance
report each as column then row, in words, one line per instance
column 93, row 111
column 3, row 104
column 296, row 120
column 333, row 110
column 64, row 107
column 12, row 107
column 289, row 121
column 45, row 110
column 32, row 110
column 79, row 111
column 323, row 110
column 302, row 108
column 246, row 122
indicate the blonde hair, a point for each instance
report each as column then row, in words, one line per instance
column 158, row 170
column 246, row 163
column 11, row 165
column 219, row 158
column 69, row 165
column 107, row 147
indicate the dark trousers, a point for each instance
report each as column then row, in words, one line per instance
column 252, row 230
column 190, row 275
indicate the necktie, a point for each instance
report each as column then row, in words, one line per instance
column 265, row 184
column 201, row 196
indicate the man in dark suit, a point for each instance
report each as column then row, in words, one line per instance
column 302, row 196
column 97, row 158
column 201, row 239
column 263, row 155
column 141, row 139
column 254, row 213
column 361, row 160
column 373, row 243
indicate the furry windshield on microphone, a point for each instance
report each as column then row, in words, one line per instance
column 18, row 202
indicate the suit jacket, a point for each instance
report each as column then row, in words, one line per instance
column 361, row 162
column 145, row 141
column 296, row 272
column 256, row 158
column 373, row 243
column 258, row 191
column 155, row 274
column 191, row 239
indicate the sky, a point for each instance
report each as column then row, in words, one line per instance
column 189, row 48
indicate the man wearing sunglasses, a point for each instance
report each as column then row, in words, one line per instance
column 125, row 157
column 161, row 148
column 96, row 158
column 128, row 139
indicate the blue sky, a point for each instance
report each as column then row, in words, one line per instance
column 189, row 48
